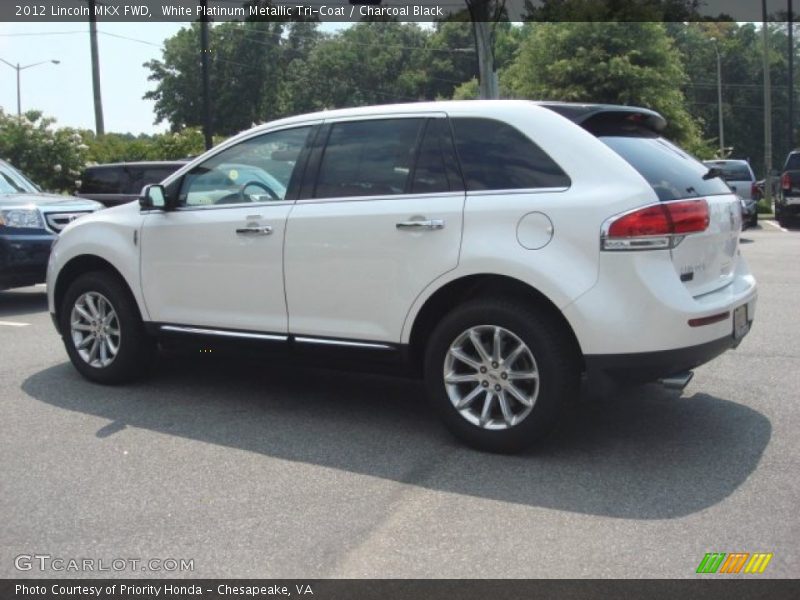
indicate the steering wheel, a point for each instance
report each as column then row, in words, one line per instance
column 240, row 197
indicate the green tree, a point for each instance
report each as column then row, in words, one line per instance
column 612, row 10
column 618, row 63
column 51, row 157
column 248, row 66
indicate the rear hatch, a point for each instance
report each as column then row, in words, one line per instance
column 704, row 261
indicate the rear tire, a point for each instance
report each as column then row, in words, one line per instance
column 530, row 342
column 103, row 331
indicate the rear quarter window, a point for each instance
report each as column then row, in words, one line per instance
column 102, row 181
column 496, row 156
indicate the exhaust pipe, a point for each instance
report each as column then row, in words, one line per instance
column 677, row 381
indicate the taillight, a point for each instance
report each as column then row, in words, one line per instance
column 753, row 190
column 656, row 226
column 786, row 182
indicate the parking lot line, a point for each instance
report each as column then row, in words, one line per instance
column 776, row 226
column 13, row 324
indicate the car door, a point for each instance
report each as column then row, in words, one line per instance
column 216, row 260
column 377, row 221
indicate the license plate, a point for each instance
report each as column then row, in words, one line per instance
column 740, row 324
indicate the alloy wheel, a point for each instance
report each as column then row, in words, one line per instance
column 491, row 377
column 95, row 329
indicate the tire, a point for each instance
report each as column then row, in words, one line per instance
column 109, row 297
column 754, row 220
column 549, row 352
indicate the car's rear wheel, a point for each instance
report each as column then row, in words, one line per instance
column 103, row 331
column 499, row 373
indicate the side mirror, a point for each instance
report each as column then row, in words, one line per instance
column 153, row 197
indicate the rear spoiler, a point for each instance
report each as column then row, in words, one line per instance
column 598, row 117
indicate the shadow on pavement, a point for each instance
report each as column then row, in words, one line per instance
column 647, row 454
column 26, row 301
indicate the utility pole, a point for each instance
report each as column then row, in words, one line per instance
column 719, row 100
column 484, row 42
column 98, row 100
column 791, row 74
column 204, row 52
column 767, row 107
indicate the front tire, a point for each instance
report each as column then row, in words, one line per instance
column 500, row 373
column 103, row 331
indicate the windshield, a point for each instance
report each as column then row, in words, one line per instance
column 14, row 182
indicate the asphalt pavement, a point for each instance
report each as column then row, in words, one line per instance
column 259, row 470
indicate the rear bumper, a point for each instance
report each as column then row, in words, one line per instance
column 641, row 367
column 639, row 307
column 789, row 207
column 23, row 258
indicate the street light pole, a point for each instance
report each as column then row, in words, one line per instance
column 19, row 69
column 719, row 100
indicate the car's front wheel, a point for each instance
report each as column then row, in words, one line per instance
column 499, row 373
column 103, row 331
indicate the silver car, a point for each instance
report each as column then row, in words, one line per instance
column 740, row 178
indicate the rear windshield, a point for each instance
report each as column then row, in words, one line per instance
column 792, row 162
column 732, row 171
column 673, row 173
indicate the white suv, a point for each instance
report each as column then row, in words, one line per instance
column 502, row 249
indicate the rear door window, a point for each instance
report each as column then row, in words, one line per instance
column 370, row 158
column 496, row 156
column 671, row 172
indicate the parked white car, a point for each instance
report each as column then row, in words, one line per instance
column 502, row 249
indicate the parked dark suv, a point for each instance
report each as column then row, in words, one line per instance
column 118, row 183
column 787, row 204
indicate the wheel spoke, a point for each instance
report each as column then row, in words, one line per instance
column 78, row 326
column 487, row 408
column 85, row 342
column 112, row 331
column 476, row 342
column 101, row 308
column 103, row 352
column 522, row 398
column 82, row 312
column 509, row 360
column 508, row 416
column 93, row 352
column 112, row 347
column 461, row 378
column 497, row 342
column 89, row 301
column 521, row 375
column 459, row 354
column 467, row 400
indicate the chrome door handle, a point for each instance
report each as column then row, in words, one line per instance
column 266, row 230
column 431, row 225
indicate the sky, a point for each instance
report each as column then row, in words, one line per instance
column 65, row 90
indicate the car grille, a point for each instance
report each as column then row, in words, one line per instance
column 57, row 221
